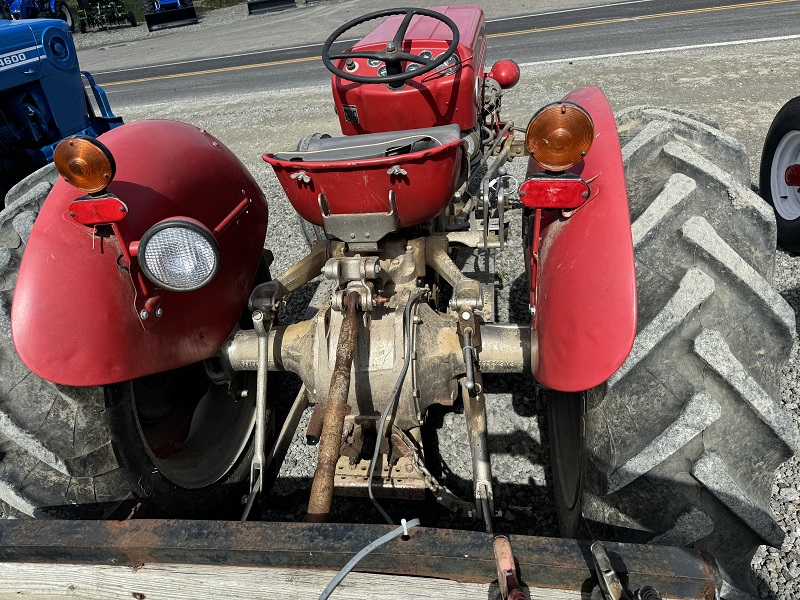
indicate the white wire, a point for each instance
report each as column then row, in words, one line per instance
column 402, row 530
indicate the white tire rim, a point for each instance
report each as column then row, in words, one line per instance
column 785, row 198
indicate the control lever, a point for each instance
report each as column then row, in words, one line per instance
column 507, row 580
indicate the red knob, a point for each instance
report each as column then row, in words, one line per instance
column 505, row 72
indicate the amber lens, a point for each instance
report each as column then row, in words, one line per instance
column 559, row 135
column 84, row 163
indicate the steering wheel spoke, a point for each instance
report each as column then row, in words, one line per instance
column 414, row 58
column 401, row 31
column 392, row 56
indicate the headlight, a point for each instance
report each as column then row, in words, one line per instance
column 179, row 255
column 559, row 135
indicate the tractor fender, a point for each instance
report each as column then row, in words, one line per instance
column 75, row 318
column 585, row 318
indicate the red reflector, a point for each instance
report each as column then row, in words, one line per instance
column 554, row 192
column 98, row 211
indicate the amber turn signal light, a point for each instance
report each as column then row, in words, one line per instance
column 559, row 135
column 85, row 163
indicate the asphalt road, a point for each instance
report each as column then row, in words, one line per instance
column 620, row 28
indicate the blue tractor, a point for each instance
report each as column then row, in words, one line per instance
column 42, row 97
column 162, row 14
column 38, row 9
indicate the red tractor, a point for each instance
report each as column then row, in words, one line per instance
column 144, row 317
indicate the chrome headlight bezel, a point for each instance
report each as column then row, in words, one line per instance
column 194, row 227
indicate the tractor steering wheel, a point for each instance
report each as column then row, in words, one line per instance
column 392, row 55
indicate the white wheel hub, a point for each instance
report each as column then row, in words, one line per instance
column 785, row 198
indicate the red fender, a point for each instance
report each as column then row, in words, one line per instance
column 74, row 319
column 585, row 321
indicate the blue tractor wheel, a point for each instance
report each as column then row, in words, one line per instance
column 64, row 13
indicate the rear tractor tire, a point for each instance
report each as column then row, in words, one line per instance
column 173, row 444
column 680, row 446
column 312, row 233
column 64, row 12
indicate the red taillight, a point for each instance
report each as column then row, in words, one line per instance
column 98, row 211
column 553, row 192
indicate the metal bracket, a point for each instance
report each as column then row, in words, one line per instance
column 467, row 292
column 360, row 228
column 470, row 333
column 352, row 274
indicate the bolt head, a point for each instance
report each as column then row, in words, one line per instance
column 466, row 315
column 159, row 312
column 144, row 315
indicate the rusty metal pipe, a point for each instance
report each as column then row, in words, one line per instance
column 314, row 429
column 319, row 503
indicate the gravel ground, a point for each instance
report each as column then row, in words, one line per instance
column 742, row 87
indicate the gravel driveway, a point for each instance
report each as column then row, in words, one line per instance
column 740, row 86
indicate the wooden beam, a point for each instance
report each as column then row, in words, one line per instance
column 194, row 582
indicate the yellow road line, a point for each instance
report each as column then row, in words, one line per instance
column 676, row 13
column 209, row 71
column 493, row 35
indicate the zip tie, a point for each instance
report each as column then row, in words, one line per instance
column 405, row 527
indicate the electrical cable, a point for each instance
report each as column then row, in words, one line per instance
column 395, row 393
column 402, row 530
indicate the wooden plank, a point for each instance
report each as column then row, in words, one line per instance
column 194, row 582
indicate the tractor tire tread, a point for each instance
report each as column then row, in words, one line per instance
column 55, row 441
column 683, row 446
column 311, row 233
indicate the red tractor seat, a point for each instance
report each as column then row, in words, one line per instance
column 374, row 145
column 356, row 174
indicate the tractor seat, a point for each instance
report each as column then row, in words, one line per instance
column 373, row 145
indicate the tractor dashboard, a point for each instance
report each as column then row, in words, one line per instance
column 448, row 94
